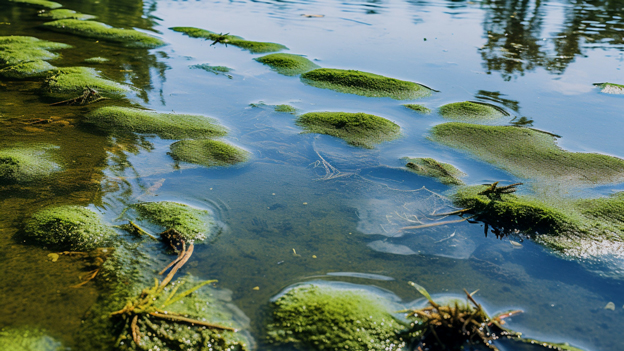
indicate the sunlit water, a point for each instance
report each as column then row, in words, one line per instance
column 537, row 60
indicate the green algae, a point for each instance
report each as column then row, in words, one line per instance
column 363, row 83
column 17, row 49
column 610, row 209
column 529, row 154
column 428, row 167
column 165, row 125
column 610, row 88
column 27, row 339
column 23, row 165
column 96, row 60
column 193, row 224
column 255, row 47
column 285, row 108
column 70, row 82
column 207, row 152
column 68, row 228
column 39, row 3
column 218, row 70
column 27, row 70
column 288, row 64
column 326, row 318
column 418, row 108
column 101, row 31
column 357, row 129
column 66, row 14
column 471, row 111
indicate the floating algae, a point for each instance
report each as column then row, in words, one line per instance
column 17, row 49
column 191, row 224
column 165, row 125
column 285, row 108
column 27, row 70
column 218, row 70
column 71, row 82
column 98, row 30
column 428, row 167
column 418, row 108
column 358, row 129
column 23, row 165
column 365, row 84
column 207, row 152
column 28, row 339
column 288, row 64
column 72, row 228
column 471, row 111
column 96, row 60
column 529, row 154
column 255, row 47
column 610, row 88
column 39, row 3
column 65, row 14
column 324, row 317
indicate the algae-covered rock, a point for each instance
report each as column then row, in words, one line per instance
column 39, row 3
column 28, row 339
column 288, row 64
column 363, row 83
column 207, row 152
column 27, row 70
column 23, row 165
column 218, row 70
column 321, row 317
column 285, row 108
column 66, row 14
column 529, row 154
column 610, row 88
column 193, row 224
column 96, row 60
column 255, row 47
column 16, row 49
column 68, row 228
column 70, row 82
column 165, row 125
column 101, row 31
column 428, row 167
column 418, row 108
column 471, row 111
column 358, row 129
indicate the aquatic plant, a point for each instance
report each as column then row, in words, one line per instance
column 27, row 70
column 529, row 154
column 610, row 88
column 96, row 60
column 285, row 108
column 357, row 129
column 190, row 223
column 287, row 64
column 428, row 167
column 213, row 69
column 418, row 108
column 321, row 317
column 255, row 47
column 165, row 125
column 363, row 83
column 98, row 30
column 207, row 152
column 23, row 165
column 65, row 14
column 71, row 82
column 17, row 49
column 39, row 3
column 471, row 111
column 68, row 228
column 27, row 339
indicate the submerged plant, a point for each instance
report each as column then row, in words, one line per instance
column 98, row 30
column 208, row 153
column 287, row 64
column 18, row 49
column 471, row 111
column 39, row 3
column 189, row 223
column 610, row 88
column 446, row 173
column 255, row 47
column 65, row 14
column 76, row 81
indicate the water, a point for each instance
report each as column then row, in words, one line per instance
column 536, row 59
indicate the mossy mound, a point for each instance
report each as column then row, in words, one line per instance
column 101, row 31
column 68, row 228
column 288, row 64
column 610, row 209
column 96, row 60
column 17, row 49
column 285, row 108
column 27, row 70
column 418, row 108
column 207, row 153
column 363, row 83
column 255, row 47
column 471, row 111
column 193, row 224
column 66, row 14
column 165, row 125
column 320, row 317
column 610, row 88
column 357, row 129
column 218, row 70
column 39, row 3
column 27, row 339
column 529, row 154
column 70, row 82
column 23, row 165
column 428, row 167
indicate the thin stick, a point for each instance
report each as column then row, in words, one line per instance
column 175, row 268
column 136, row 333
column 451, row 213
column 428, row 225
column 174, row 261
column 191, row 321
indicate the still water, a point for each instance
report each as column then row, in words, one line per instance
column 536, row 59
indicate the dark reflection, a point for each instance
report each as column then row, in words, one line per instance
column 517, row 41
column 497, row 97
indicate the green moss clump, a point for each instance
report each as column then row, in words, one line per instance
column 610, row 209
column 418, row 108
column 529, row 154
column 285, row 108
column 428, row 167
column 96, row 60
column 470, row 111
column 166, row 125
column 207, row 152
column 191, row 223
column 66, row 14
column 23, row 165
column 610, row 88
column 357, row 129
column 255, row 47
column 70, row 82
column 288, row 64
column 39, row 3
column 98, row 30
column 17, row 49
column 363, row 83
column 27, row 339
column 326, row 318
column 68, row 228
column 27, row 70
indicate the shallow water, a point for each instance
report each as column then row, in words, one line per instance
column 535, row 59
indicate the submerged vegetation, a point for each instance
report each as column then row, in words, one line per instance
column 428, row 167
column 287, row 64
column 471, row 111
column 23, row 165
column 610, row 88
column 71, row 81
column 189, row 223
column 255, row 47
column 27, row 339
column 66, row 14
column 207, row 152
column 98, row 30
column 27, row 70
column 18, row 49
column 285, row 108
column 39, row 3
column 418, row 108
